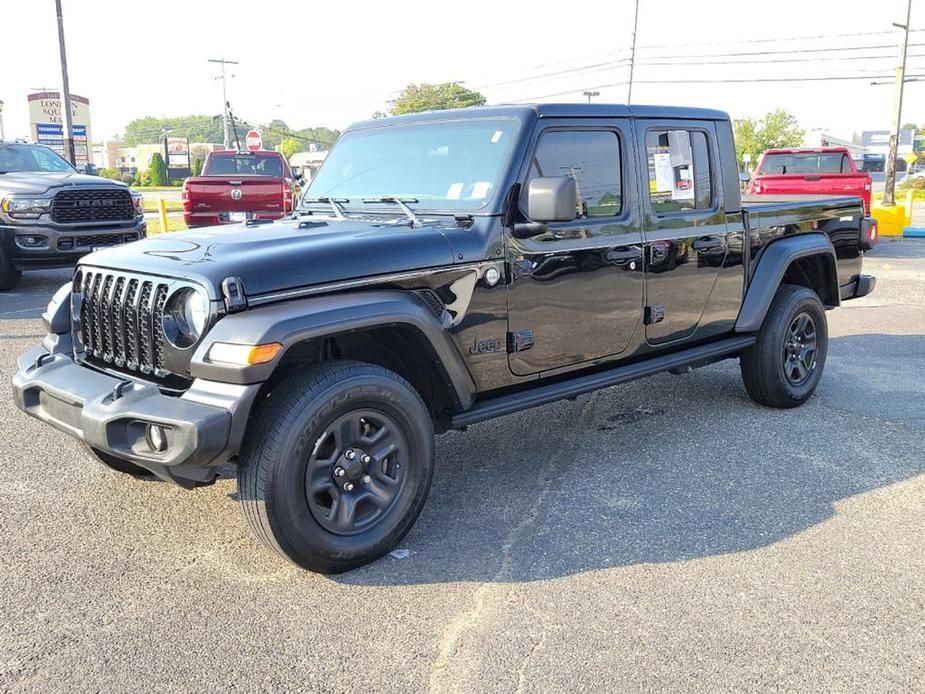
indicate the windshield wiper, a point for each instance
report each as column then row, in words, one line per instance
column 335, row 204
column 409, row 213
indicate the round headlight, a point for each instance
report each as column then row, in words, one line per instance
column 185, row 317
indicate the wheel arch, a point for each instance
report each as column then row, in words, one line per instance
column 391, row 328
column 807, row 260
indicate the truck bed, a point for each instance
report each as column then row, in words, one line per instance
column 794, row 203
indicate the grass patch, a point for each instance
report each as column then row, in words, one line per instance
column 151, row 205
column 155, row 189
column 173, row 224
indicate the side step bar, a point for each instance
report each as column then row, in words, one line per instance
column 541, row 395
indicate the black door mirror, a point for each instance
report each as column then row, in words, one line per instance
column 90, row 169
column 552, row 199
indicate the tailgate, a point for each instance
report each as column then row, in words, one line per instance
column 238, row 194
column 815, row 184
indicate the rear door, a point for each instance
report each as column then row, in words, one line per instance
column 684, row 223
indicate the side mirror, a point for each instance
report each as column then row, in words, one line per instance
column 297, row 174
column 744, row 177
column 552, row 199
column 90, row 169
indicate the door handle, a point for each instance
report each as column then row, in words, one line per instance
column 623, row 254
column 707, row 243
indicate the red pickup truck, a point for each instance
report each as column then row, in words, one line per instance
column 818, row 171
column 237, row 186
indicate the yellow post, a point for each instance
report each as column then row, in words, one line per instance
column 909, row 208
column 162, row 206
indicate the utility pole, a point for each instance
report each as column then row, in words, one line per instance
column 889, row 191
column 224, row 80
column 67, row 134
column 629, row 91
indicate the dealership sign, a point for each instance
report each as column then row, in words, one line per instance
column 47, row 123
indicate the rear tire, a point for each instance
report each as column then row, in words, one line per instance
column 9, row 275
column 785, row 365
column 337, row 466
column 117, row 464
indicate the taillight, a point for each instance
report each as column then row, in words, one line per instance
column 184, row 196
column 870, row 233
column 287, row 198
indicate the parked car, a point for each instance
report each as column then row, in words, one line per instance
column 819, row 171
column 237, row 186
column 51, row 215
column 441, row 269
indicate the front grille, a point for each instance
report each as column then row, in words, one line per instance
column 92, row 205
column 120, row 319
column 95, row 240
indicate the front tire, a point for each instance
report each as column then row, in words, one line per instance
column 785, row 365
column 338, row 465
column 9, row 275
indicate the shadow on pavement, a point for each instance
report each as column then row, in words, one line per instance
column 658, row 471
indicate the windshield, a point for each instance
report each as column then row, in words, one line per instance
column 244, row 165
column 447, row 165
column 17, row 157
column 805, row 163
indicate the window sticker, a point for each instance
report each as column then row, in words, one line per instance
column 497, row 137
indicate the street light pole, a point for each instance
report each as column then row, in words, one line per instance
column 67, row 122
column 629, row 91
column 224, row 80
column 889, row 192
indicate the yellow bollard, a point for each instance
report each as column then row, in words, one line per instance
column 162, row 205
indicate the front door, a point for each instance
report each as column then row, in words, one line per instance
column 577, row 288
column 685, row 224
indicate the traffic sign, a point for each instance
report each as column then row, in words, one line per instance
column 253, row 140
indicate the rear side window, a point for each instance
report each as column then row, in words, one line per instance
column 592, row 158
column 679, row 171
column 805, row 163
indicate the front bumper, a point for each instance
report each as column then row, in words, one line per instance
column 63, row 246
column 203, row 428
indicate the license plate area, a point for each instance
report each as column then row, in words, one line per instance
column 235, row 216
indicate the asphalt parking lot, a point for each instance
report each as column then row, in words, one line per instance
column 665, row 535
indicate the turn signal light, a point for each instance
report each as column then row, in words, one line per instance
column 243, row 355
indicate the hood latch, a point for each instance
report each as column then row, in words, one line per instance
column 233, row 292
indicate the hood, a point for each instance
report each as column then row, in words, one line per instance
column 38, row 182
column 281, row 255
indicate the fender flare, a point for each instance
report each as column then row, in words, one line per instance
column 292, row 322
column 772, row 265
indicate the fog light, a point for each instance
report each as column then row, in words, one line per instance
column 157, row 438
column 31, row 241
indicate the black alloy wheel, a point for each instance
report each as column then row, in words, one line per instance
column 356, row 470
column 799, row 350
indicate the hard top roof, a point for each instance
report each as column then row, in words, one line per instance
column 552, row 111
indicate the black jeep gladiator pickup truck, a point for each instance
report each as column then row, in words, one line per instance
column 441, row 269
column 51, row 215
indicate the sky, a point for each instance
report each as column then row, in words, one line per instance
column 331, row 63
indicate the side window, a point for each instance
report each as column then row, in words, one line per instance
column 592, row 158
column 679, row 170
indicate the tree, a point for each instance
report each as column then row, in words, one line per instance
column 157, row 170
column 290, row 146
column 196, row 166
column 777, row 129
column 198, row 128
column 434, row 97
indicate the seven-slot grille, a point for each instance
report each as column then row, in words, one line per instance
column 120, row 320
column 92, row 205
